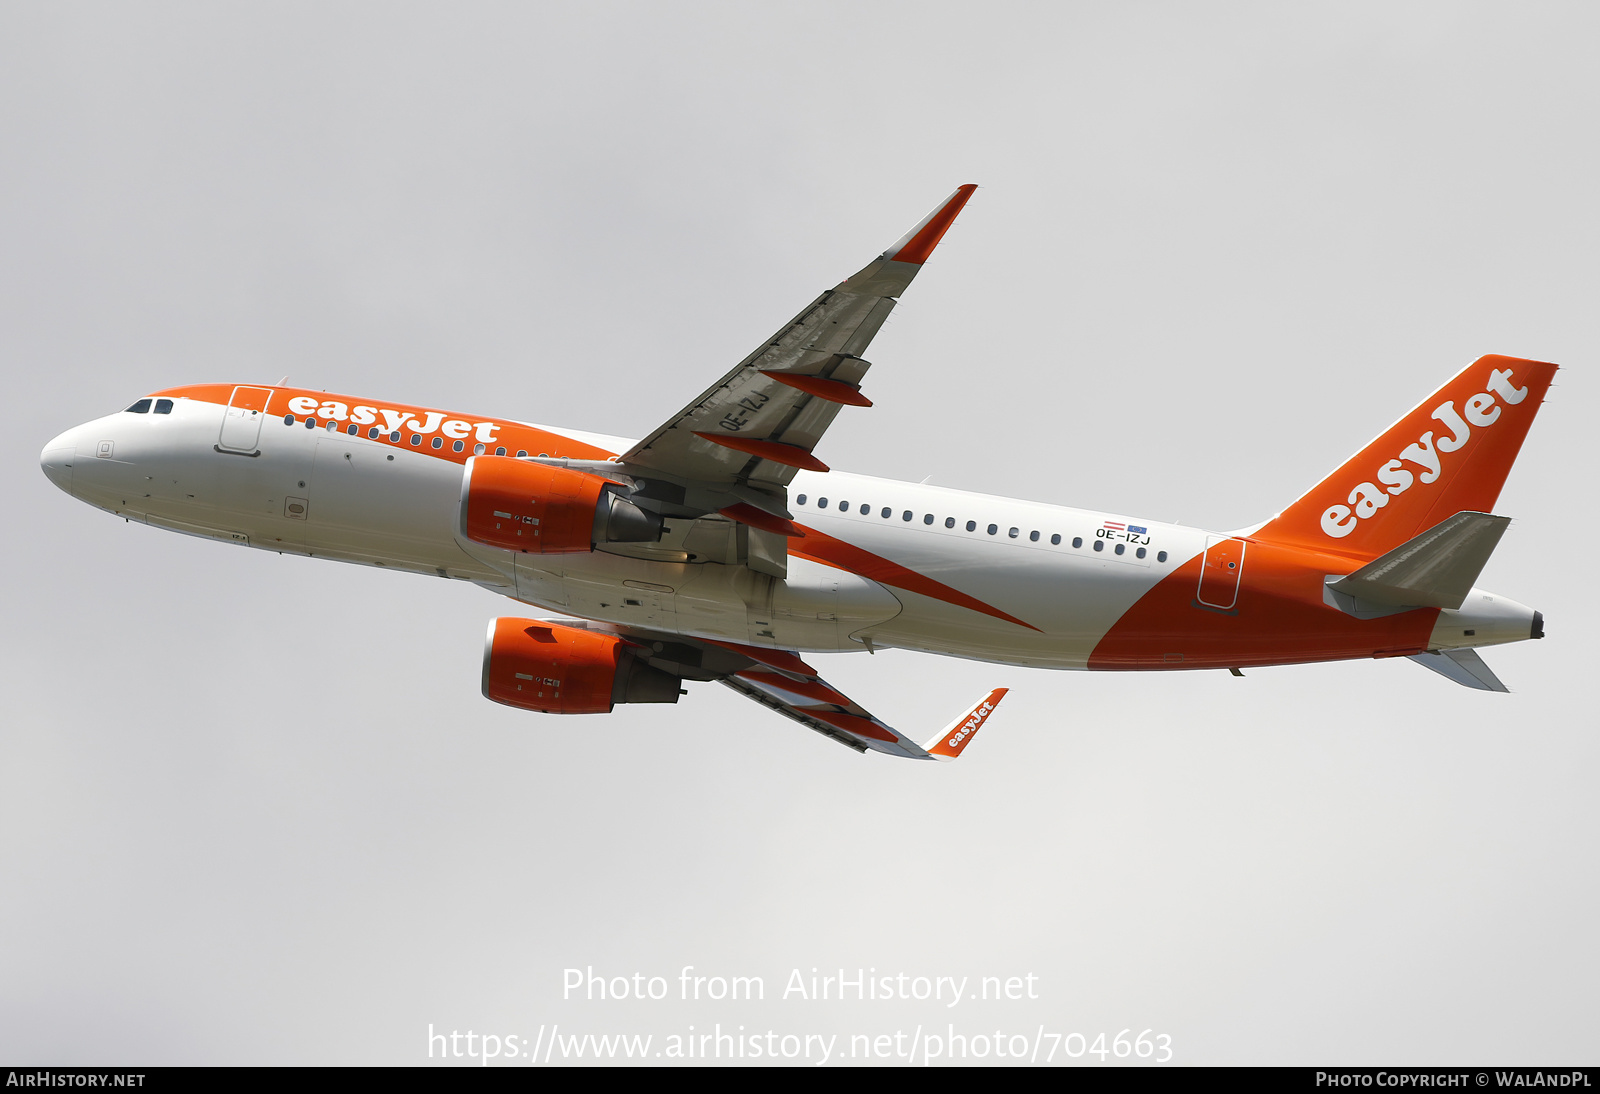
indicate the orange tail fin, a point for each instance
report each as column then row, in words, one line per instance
column 1451, row 454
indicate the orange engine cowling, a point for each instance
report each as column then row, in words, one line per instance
column 541, row 666
column 536, row 509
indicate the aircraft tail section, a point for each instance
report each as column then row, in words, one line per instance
column 1449, row 455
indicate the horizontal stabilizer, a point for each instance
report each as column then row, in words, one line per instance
column 1464, row 666
column 1433, row 570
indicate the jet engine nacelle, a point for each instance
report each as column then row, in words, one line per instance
column 541, row 666
column 529, row 507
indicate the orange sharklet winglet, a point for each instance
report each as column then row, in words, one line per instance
column 790, row 455
column 921, row 240
column 959, row 733
column 835, row 391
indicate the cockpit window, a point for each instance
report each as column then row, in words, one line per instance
column 141, row 407
column 163, row 406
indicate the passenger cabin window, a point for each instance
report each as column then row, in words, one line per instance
column 1161, row 556
column 844, row 507
column 972, row 526
column 949, row 522
column 1077, row 541
column 288, row 419
column 141, row 407
column 866, row 510
column 886, row 512
column 1099, row 545
column 801, row 500
column 500, row 451
column 993, row 528
column 163, row 406
column 1055, row 540
column 1033, row 536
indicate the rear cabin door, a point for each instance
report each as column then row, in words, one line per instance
column 1220, row 573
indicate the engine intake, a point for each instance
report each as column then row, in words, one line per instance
column 537, row 509
column 534, row 665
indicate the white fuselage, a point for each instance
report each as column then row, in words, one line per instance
column 1050, row 582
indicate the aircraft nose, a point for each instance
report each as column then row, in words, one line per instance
column 56, row 461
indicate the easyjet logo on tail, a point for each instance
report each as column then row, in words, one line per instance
column 1427, row 454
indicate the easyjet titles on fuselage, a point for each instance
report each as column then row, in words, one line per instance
column 394, row 420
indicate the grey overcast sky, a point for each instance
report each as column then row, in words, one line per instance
column 253, row 809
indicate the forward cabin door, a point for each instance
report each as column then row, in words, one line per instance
column 241, row 422
column 1220, row 573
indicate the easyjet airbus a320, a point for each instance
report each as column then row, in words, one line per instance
column 721, row 548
